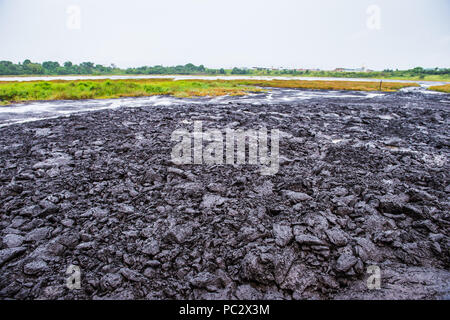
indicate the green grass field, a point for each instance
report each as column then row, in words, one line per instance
column 17, row 91
column 103, row 89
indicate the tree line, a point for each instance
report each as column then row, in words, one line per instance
column 55, row 68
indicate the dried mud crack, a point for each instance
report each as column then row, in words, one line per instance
column 361, row 182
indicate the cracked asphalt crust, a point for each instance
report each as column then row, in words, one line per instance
column 361, row 182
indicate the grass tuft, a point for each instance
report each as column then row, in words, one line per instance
column 442, row 88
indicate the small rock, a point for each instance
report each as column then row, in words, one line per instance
column 97, row 212
column 151, row 247
column 53, row 292
column 149, row 273
column 283, row 234
column 11, row 253
column 125, row 209
column 17, row 222
column 393, row 203
column 345, row 262
column 110, row 281
column 153, row 263
column 296, row 196
column 217, row 188
column 35, row 267
column 53, row 162
column 31, row 211
column 436, row 247
column 340, row 191
column 55, row 248
column 67, row 222
column 337, row 237
column 205, row 280
column 147, row 232
column 15, row 187
column 420, row 195
column 308, row 239
column 48, row 207
column 13, row 240
column 38, row 234
column 192, row 189
column 436, row 236
column 70, row 240
column 131, row 275
column 247, row 292
column 179, row 233
column 86, row 245
column 212, row 200
column 388, row 236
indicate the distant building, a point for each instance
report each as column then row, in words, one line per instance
column 362, row 69
column 303, row 70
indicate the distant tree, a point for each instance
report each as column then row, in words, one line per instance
column 35, row 68
column 238, row 71
column 50, row 65
column 8, row 68
column 417, row 70
column 87, row 65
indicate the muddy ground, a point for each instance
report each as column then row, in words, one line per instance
column 362, row 182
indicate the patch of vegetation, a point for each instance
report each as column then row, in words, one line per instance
column 18, row 91
column 443, row 88
column 330, row 85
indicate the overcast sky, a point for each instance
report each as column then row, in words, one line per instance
column 223, row 33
